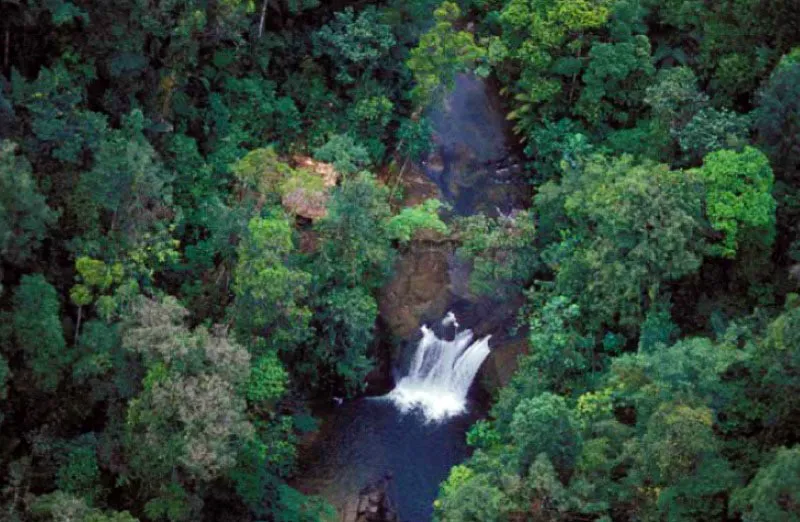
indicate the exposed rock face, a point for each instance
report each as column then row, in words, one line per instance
column 501, row 364
column 373, row 504
column 324, row 170
column 418, row 289
column 310, row 204
column 306, row 193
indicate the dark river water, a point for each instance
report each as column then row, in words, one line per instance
column 367, row 438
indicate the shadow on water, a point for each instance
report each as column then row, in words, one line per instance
column 472, row 160
column 368, row 437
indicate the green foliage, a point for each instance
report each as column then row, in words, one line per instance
column 156, row 133
column 355, row 44
column 97, row 351
column 38, row 333
column 710, row 130
column 267, row 290
column 442, row 53
column 544, row 424
column 675, row 96
column 188, row 411
column 347, row 318
column 62, row 507
column 560, row 351
column 411, row 219
column 773, row 492
column 347, row 156
column 95, row 276
column 628, row 227
column 776, row 118
column 501, row 250
column 414, row 138
column 24, row 214
column 468, row 497
column 614, row 80
column 355, row 248
column 540, row 50
column 126, row 185
column 739, row 198
column 53, row 102
column 261, row 171
column 296, row 507
column 658, row 330
column 550, row 144
column 79, row 476
column 268, row 379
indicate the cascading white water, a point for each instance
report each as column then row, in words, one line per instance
column 441, row 373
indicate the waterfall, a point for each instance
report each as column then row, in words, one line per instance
column 441, row 373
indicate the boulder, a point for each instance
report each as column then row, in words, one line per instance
column 306, row 191
column 375, row 503
column 310, row 204
column 324, row 170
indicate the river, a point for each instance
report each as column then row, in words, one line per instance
column 417, row 432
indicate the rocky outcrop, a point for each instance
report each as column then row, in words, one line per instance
column 373, row 504
column 418, row 289
column 503, row 360
column 307, row 190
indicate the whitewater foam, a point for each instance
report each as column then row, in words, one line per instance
column 441, row 373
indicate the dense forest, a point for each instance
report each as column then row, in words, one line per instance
column 200, row 200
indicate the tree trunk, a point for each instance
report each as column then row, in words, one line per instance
column 78, row 325
column 6, row 49
column 264, row 6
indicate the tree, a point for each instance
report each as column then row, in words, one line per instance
column 355, row 44
column 442, row 53
column 774, row 362
column 346, row 155
column 355, row 247
column 739, row 198
column 615, row 79
column 680, row 453
column 269, row 291
column 63, row 507
column 189, row 415
column 560, row 352
column 628, row 227
column 469, row 497
column 127, row 187
column 53, row 102
column 711, row 130
column 539, row 54
column 347, row 317
column 38, row 333
column 675, row 97
column 773, row 492
column 544, row 424
column 425, row 216
column 24, row 214
column 776, row 118
column 501, row 250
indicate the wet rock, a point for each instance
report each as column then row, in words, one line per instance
column 418, row 289
column 503, row 360
column 375, row 503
